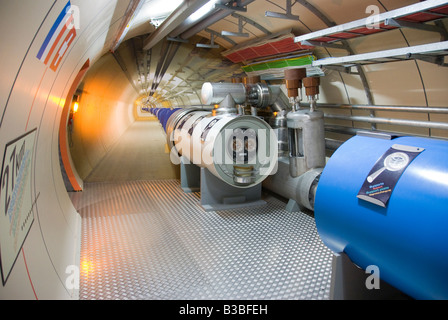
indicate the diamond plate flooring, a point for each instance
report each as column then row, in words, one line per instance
column 150, row 240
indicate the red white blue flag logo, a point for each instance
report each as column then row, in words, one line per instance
column 59, row 39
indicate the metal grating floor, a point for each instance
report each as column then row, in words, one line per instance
column 150, row 240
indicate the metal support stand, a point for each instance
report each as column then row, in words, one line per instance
column 293, row 206
column 218, row 195
column 348, row 282
column 190, row 176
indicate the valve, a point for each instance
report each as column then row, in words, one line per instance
column 293, row 79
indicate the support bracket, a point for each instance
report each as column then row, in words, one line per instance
column 217, row 195
column 293, row 206
column 234, row 5
column 287, row 16
column 240, row 32
column 344, row 69
column 415, row 25
column 313, row 43
column 190, row 176
column 212, row 44
column 348, row 282
column 252, row 23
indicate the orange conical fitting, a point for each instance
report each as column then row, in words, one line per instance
column 311, row 85
column 293, row 78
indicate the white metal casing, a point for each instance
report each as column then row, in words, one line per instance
column 207, row 144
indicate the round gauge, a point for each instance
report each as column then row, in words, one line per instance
column 396, row 161
column 393, row 162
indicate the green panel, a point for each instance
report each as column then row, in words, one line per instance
column 283, row 63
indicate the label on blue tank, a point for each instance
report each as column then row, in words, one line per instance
column 382, row 178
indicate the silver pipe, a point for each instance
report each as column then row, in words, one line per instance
column 332, row 144
column 343, row 130
column 384, row 108
column 133, row 8
column 354, row 131
column 398, row 122
column 215, row 93
column 125, row 70
column 301, row 189
column 278, row 106
column 282, row 183
column 281, row 102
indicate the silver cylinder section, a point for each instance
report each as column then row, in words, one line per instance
column 262, row 96
column 306, row 141
column 307, row 185
column 300, row 189
column 279, row 125
column 215, row 93
column 259, row 95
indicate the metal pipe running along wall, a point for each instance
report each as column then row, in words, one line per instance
column 240, row 150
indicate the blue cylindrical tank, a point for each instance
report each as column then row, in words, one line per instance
column 408, row 238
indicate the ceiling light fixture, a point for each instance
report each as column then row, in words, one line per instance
column 202, row 12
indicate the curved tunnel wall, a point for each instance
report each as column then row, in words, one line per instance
column 32, row 96
column 105, row 112
column 41, row 261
